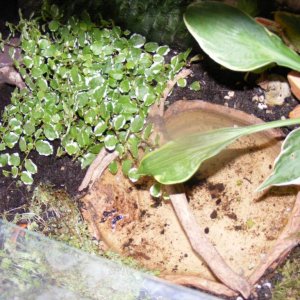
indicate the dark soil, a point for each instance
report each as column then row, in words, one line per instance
column 215, row 82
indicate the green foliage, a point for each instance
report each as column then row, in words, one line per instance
column 87, row 87
column 235, row 40
column 289, row 287
column 290, row 23
column 178, row 160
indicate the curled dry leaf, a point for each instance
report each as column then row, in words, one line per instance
column 294, row 81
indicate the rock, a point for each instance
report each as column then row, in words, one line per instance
column 276, row 89
column 294, row 81
column 295, row 113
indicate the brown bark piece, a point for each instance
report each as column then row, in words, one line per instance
column 288, row 239
column 205, row 249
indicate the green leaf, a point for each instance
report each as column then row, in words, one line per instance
column 113, row 167
column 178, row 160
column 137, row 124
column 195, row 86
column 22, row 144
column 290, row 23
column 116, row 74
column 10, row 139
column 137, row 40
column 50, row 132
column 181, row 82
column 155, row 190
column 14, row 159
column 26, row 178
column 287, row 165
column 119, row 122
column 151, row 47
column 44, row 148
column 72, row 148
column 30, row 166
column 147, row 131
column 126, row 166
column 163, row 50
column 110, row 142
column 87, row 159
column 100, row 128
column 234, row 39
column 14, row 172
column 97, row 48
column 54, row 25
column 133, row 175
column 133, row 144
column 29, row 128
column 3, row 160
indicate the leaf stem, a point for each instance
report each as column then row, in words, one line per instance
column 274, row 124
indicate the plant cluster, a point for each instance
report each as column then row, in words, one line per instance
column 87, row 87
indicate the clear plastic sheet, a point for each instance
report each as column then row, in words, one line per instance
column 35, row 267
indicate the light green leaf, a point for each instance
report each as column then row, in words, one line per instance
column 44, row 148
column 50, row 132
column 116, row 74
column 155, row 190
column 3, row 160
column 137, row 124
column 126, row 166
column 137, row 40
column 54, row 25
column 181, row 82
column 119, row 122
column 26, row 178
column 287, row 165
column 87, row 159
column 22, row 144
column 133, row 144
column 72, row 148
column 133, row 175
column 100, row 128
column 178, row 160
column 10, row 139
column 113, row 167
column 110, row 142
column 195, row 86
column 234, row 39
column 14, row 171
column 29, row 128
column 14, row 159
column 151, row 47
column 163, row 50
column 30, row 166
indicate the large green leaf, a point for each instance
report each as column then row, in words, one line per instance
column 178, row 160
column 235, row 40
column 287, row 164
column 290, row 23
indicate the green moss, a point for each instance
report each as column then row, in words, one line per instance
column 289, row 287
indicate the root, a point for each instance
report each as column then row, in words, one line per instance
column 201, row 283
column 204, row 248
column 97, row 167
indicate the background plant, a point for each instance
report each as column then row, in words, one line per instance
column 88, row 87
column 235, row 40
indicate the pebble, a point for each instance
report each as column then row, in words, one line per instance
column 267, row 284
column 262, row 106
column 230, row 94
